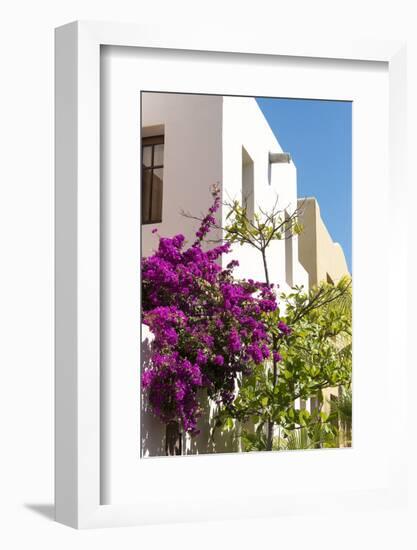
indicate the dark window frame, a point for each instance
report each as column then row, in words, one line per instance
column 329, row 279
column 151, row 141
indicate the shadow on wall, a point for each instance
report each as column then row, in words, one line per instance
column 210, row 439
column 152, row 430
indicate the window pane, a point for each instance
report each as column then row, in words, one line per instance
column 157, row 195
column 158, row 155
column 146, row 195
column 147, row 156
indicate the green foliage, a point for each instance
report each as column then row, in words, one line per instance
column 263, row 228
column 316, row 355
column 317, row 436
column 313, row 433
column 341, row 411
column 342, row 406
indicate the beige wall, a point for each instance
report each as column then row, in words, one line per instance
column 320, row 256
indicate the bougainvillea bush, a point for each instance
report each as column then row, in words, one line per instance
column 208, row 327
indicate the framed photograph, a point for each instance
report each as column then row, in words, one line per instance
column 224, row 211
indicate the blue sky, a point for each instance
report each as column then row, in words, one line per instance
column 318, row 135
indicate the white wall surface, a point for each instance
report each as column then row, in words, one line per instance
column 192, row 164
column 26, row 285
column 192, row 159
column 244, row 126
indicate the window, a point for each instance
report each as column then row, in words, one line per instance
column 329, row 279
column 289, row 260
column 152, row 178
column 247, row 184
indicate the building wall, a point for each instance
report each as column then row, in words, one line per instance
column 192, row 128
column 192, row 125
column 246, row 133
column 211, row 139
column 321, row 257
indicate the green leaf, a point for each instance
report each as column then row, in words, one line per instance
column 229, row 424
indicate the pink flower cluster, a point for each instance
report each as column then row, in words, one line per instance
column 208, row 327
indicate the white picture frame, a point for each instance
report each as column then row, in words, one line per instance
column 78, row 411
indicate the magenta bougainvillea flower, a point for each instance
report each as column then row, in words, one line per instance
column 208, row 326
column 284, row 329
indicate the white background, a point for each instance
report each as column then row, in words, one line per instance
column 267, row 477
column 26, row 286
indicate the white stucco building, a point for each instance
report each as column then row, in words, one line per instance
column 190, row 142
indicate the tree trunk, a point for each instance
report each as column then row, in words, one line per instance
column 270, row 423
column 173, row 439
